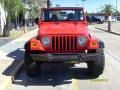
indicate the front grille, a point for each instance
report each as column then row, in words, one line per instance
column 64, row 43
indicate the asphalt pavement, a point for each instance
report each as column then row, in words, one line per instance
column 5, row 40
column 11, row 58
column 115, row 27
column 16, row 47
column 111, row 41
column 62, row 77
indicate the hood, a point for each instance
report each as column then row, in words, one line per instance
column 50, row 28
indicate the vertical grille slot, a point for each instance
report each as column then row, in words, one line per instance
column 57, row 47
column 61, row 43
column 68, row 45
column 71, row 42
column 75, row 43
column 64, row 43
column 53, row 43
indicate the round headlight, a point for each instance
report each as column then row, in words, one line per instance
column 45, row 41
column 82, row 41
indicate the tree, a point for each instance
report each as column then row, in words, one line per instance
column 34, row 11
column 116, row 13
column 13, row 8
column 107, row 9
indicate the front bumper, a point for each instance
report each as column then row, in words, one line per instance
column 70, row 57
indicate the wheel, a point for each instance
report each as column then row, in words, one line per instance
column 102, row 22
column 32, row 68
column 96, row 67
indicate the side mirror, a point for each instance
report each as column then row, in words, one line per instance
column 37, row 20
column 89, row 19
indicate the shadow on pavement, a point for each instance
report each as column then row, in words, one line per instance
column 53, row 75
column 17, row 55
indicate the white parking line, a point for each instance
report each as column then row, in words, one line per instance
column 113, row 60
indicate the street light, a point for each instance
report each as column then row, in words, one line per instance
column 116, row 7
column 83, row 2
column 48, row 3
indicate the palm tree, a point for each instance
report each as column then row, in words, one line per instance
column 35, row 12
column 13, row 8
column 107, row 9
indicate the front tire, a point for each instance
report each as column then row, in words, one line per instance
column 96, row 67
column 31, row 67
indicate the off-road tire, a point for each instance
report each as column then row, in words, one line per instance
column 96, row 67
column 32, row 68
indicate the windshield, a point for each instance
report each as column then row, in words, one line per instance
column 62, row 15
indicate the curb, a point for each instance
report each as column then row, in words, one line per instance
column 7, row 83
column 7, row 80
column 16, row 70
column 107, row 31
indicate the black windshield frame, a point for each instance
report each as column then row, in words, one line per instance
column 47, row 14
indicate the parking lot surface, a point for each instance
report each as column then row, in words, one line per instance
column 62, row 77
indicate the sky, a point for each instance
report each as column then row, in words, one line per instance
column 91, row 6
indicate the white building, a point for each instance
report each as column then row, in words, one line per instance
column 3, row 16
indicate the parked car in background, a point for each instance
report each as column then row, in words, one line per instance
column 114, row 19
column 97, row 19
column 117, row 17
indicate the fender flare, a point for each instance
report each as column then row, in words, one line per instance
column 101, row 44
column 27, row 45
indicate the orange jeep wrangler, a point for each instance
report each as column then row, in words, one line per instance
column 63, row 36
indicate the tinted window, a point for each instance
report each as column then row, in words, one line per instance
column 62, row 15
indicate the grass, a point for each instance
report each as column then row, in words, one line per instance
column 14, row 34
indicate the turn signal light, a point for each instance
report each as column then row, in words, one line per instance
column 34, row 44
column 94, row 45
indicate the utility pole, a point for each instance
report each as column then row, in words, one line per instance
column 83, row 2
column 48, row 3
column 116, row 7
